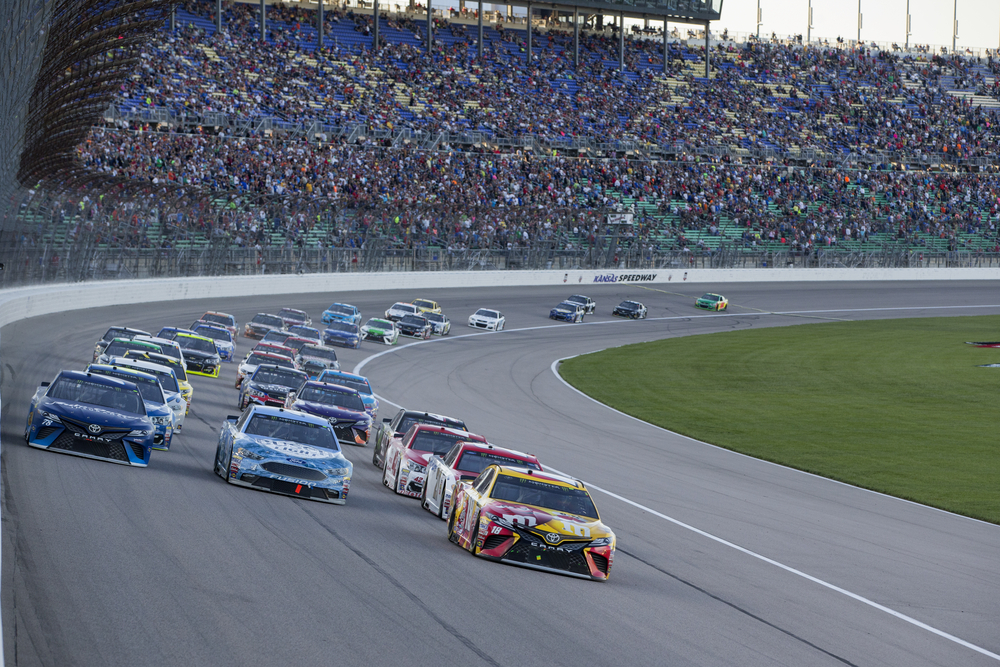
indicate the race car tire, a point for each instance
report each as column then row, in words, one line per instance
column 475, row 536
column 441, row 508
column 375, row 456
column 395, row 479
column 423, row 495
column 452, row 537
column 385, row 475
column 501, row 326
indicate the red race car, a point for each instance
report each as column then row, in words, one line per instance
column 406, row 458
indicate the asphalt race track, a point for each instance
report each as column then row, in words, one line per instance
column 722, row 559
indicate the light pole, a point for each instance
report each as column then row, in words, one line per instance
column 908, row 31
column 809, row 24
column 859, row 22
column 954, row 30
column 758, row 20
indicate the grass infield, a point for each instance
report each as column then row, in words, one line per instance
column 897, row 406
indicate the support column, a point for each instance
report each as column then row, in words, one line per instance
column 859, row 23
column 665, row 50
column 708, row 50
column 218, row 15
column 430, row 29
column 907, row 25
column 621, row 41
column 263, row 20
column 479, row 43
column 576, row 37
column 173, row 18
column 528, row 59
column 375, row 17
column 320, row 26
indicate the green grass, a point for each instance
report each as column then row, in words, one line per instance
column 897, row 406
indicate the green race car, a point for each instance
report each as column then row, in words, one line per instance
column 712, row 302
column 380, row 331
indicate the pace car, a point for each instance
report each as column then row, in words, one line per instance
column 342, row 334
column 427, row 306
column 314, row 359
column 440, row 324
column 589, row 305
column 487, row 318
column 358, row 382
column 283, row 451
column 176, row 365
column 414, row 326
column 341, row 406
column 223, row 339
column 341, row 312
column 270, row 385
column 379, row 330
column 567, row 311
column 224, row 320
column 119, row 346
column 533, row 519
column 464, row 462
column 116, row 332
column 200, row 354
column 632, row 310
column 395, row 427
column 255, row 359
column 406, row 458
column 153, row 397
column 261, row 324
column 90, row 415
column 168, row 382
column 399, row 310
column 294, row 316
column 711, row 301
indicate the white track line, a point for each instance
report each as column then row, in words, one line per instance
column 714, row 538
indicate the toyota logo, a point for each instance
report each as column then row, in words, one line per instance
column 94, row 428
column 552, row 538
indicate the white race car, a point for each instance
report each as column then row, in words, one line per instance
column 379, row 330
column 486, row 318
column 400, row 310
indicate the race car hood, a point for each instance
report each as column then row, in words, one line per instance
column 273, row 389
column 157, row 409
column 93, row 414
column 326, row 363
column 295, row 453
column 338, row 317
column 423, row 458
column 544, row 521
column 557, row 309
column 330, row 411
column 339, row 333
column 198, row 355
column 376, row 330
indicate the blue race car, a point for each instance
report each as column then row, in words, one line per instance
column 93, row 416
column 357, row 382
column 342, row 334
column 341, row 406
column 341, row 312
column 224, row 344
column 567, row 311
column 157, row 408
column 283, row 451
column 170, row 333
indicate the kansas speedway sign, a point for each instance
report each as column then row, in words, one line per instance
column 625, row 278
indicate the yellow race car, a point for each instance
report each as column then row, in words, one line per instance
column 427, row 306
column 533, row 519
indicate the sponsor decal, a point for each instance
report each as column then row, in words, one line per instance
column 552, row 538
column 625, row 278
column 294, row 449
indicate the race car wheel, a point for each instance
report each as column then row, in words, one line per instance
column 375, row 456
column 395, row 478
column 475, row 536
column 501, row 326
column 423, row 495
column 452, row 537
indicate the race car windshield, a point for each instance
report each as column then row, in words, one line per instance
column 92, row 393
column 434, row 317
column 319, row 352
column 148, row 389
column 118, row 348
column 342, row 326
column 221, row 319
column 167, row 333
column 257, row 360
column 379, row 324
column 268, row 320
column 343, row 310
column 415, row 320
column 542, row 494
column 297, row 343
column 275, row 337
column 214, row 334
column 362, row 386
column 436, row 443
column 196, row 344
column 477, row 461
column 305, row 332
column 576, row 298
column 710, row 297
column 482, row 312
column 116, row 332
column 341, row 399
column 279, row 428
column 291, row 314
column 405, row 307
column 271, row 376
column 167, row 380
column 407, row 422
column 420, row 303
column 630, row 305
column 567, row 305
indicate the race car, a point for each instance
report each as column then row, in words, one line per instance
column 711, row 301
column 464, row 462
column 342, row 334
column 119, row 346
column 341, row 406
column 168, row 382
column 314, row 359
column 255, row 359
column 224, row 344
column 270, row 385
column 533, row 519
column 176, row 365
column 567, row 311
column 153, row 398
column 200, row 354
column 302, row 331
column 401, row 423
column 427, row 306
column 283, row 451
column 440, row 324
column 382, row 331
column 341, row 312
column 632, row 310
column 168, row 346
column 487, row 318
column 414, row 326
column 358, row 382
column 589, row 305
column 90, row 415
column 261, row 324
column 115, row 332
column 169, row 333
column 399, row 310
column 294, row 316
column 406, row 458
column 224, row 320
